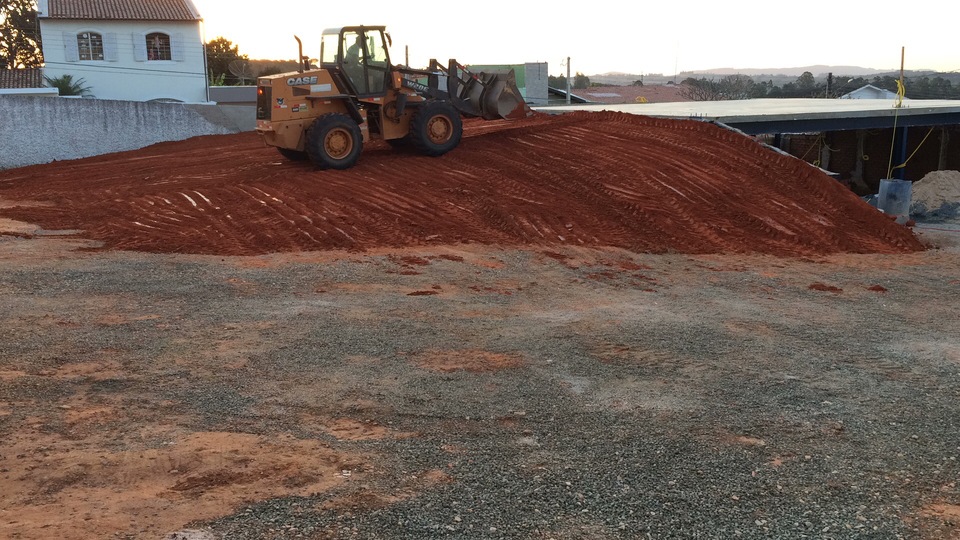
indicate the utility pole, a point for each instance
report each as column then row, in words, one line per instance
column 406, row 50
column 568, row 80
column 903, row 52
column 899, row 132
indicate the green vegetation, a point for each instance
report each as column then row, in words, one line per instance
column 67, row 86
column 19, row 35
column 806, row 86
column 225, row 65
column 580, row 81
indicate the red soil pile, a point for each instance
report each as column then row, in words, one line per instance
column 585, row 179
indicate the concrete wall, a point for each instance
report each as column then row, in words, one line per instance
column 237, row 102
column 43, row 129
column 44, row 92
column 244, row 116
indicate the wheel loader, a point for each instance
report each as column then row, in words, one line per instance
column 326, row 113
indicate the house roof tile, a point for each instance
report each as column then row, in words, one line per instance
column 651, row 93
column 130, row 10
column 21, row 78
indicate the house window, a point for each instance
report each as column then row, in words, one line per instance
column 90, row 46
column 158, row 47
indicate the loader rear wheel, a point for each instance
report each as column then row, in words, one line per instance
column 293, row 155
column 334, row 141
column 435, row 128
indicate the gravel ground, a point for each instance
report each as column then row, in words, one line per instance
column 573, row 393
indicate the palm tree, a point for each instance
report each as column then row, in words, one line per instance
column 67, row 86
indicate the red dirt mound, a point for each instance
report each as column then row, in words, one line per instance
column 587, row 179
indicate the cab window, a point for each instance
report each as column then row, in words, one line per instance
column 329, row 44
column 376, row 49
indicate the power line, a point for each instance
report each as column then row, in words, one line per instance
column 89, row 68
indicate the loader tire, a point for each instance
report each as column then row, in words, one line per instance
column 334, row 141
column 293, row 155
column 435, row 128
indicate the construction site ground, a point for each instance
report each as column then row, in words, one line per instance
column 592, row 327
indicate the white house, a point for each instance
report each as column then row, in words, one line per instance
column 870, row 92
column 135, row 50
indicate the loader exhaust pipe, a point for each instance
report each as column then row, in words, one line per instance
column 300, row 65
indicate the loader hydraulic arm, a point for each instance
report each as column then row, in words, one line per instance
column 489, row 95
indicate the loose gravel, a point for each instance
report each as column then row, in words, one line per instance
column 660, row 396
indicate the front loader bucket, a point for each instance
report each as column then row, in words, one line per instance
column 489, row 95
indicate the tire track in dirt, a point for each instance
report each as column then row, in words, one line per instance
column 669, row 202
column 763, row 227
column 591, row 179
column 576, row 188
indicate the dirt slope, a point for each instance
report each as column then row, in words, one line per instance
column 588, row 179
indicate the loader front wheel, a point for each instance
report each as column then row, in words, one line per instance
column 334, row 141
column 435, row 128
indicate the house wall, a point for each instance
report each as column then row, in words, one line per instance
column 48, row 129
column 535, row 89
column 121, row 75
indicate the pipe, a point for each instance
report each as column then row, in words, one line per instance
column 300, row 56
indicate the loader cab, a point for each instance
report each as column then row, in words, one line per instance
column 360, row 54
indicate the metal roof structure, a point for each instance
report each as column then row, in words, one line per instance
column 759, row 116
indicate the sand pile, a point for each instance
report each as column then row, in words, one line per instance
column 582, row 179
column 936, row 195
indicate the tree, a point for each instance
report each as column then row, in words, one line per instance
column 700, row 89
column 581, row 81
column 222, row 54
column 19, row 35
column 762, row 89
column 844, row 84
column 557, row 82
column 271, row 69
column 805, row 86
column 806, row 81
column 736, row 87
column 66, row 86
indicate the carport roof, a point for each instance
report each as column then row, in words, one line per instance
column 756, row 116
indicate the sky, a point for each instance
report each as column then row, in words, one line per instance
column 666, row 36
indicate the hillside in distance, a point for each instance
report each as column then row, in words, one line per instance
column 776, row 75
column 817, row 71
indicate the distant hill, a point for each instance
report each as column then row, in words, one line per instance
column 817, row 71
column 776, row 75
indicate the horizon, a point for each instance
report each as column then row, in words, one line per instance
column 822, row 70
column 666, row 41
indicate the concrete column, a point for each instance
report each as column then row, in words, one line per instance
column 900, row 152
column 944, row 145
